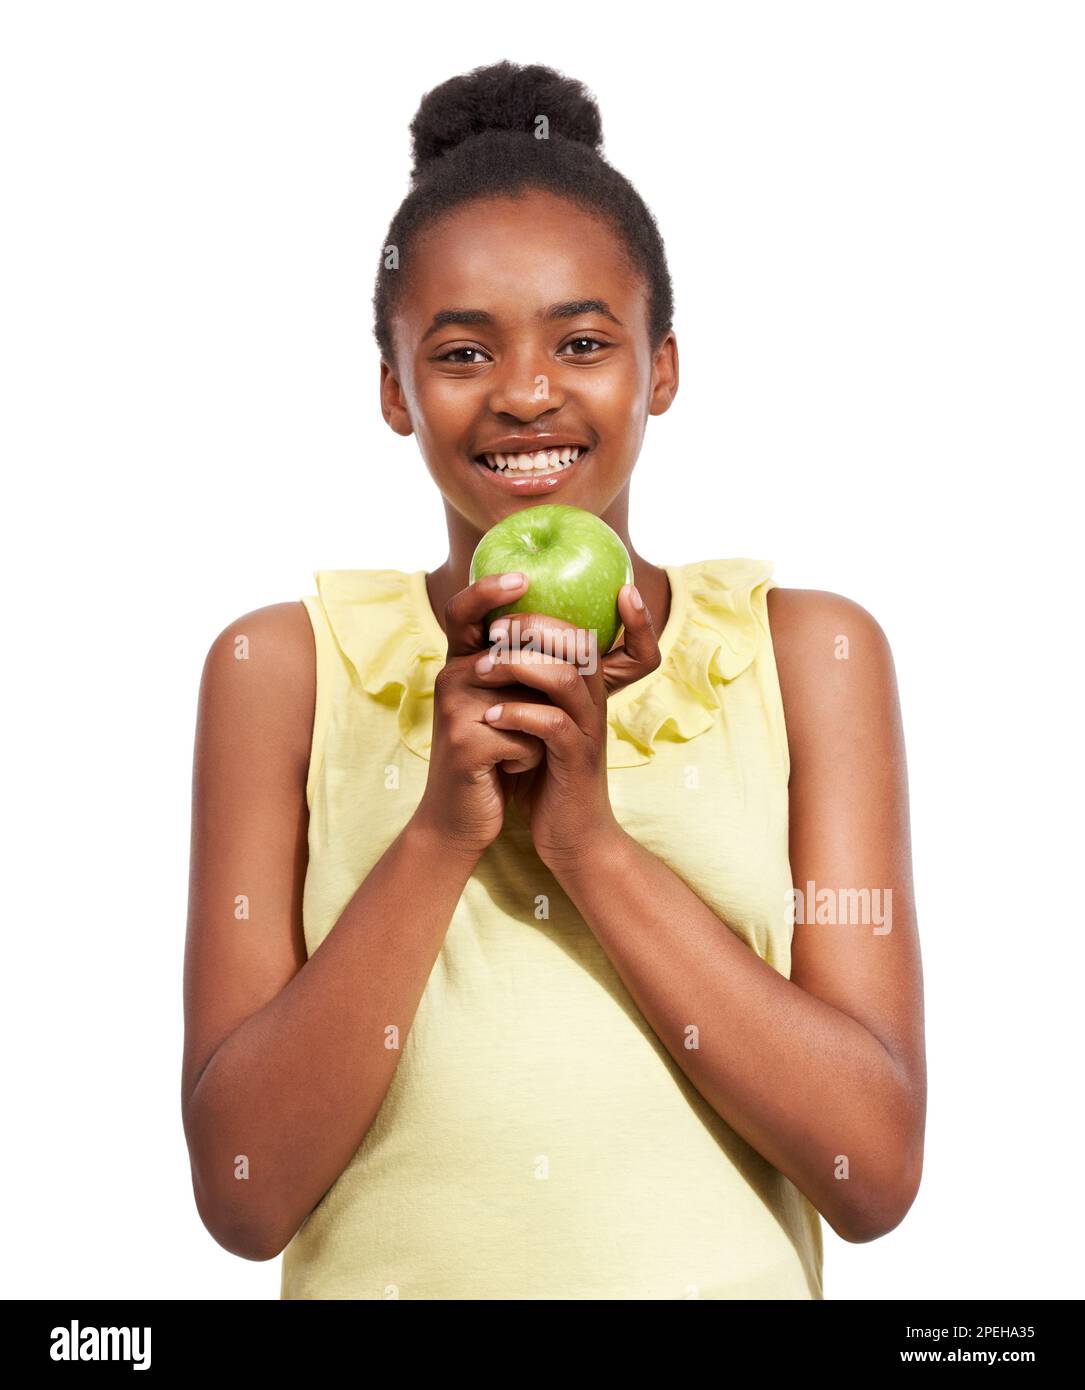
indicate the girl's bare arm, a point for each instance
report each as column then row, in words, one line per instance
column 286, row 1062
column 824, row 1074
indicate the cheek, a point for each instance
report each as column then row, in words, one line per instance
column 617, row 398
column 443, row 400
column 442, row 413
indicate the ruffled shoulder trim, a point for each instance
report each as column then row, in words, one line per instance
column 715, row 626
column 393, row 652
column 393, row 647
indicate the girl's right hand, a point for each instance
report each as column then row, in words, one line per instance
column 473, row 767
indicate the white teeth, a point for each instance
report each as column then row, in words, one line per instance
column 544, row 461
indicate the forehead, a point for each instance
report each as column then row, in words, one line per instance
column 511, row 255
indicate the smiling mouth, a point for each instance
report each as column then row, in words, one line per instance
column 544, row 463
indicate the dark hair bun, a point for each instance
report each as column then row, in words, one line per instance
column 503, row 96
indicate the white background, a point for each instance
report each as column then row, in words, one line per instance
column 874, row 220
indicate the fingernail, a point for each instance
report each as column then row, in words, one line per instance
column 635, row 597
column 484, row 664
column 512, row 581
column 494, row 712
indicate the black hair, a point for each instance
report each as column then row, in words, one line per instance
column 496, row 131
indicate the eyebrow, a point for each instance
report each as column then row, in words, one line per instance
column 571, row 309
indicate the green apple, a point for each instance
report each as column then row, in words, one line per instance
column 575, row 565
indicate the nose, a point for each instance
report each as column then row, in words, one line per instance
column 523, row 386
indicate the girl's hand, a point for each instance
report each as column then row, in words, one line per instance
column 473, row 765
column 565, row 798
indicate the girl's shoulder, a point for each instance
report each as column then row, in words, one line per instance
column 261, row 669
column 278, row 636
column 805, row 616
column 834, row 664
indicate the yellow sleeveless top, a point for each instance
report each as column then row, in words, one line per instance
column 538, row 1141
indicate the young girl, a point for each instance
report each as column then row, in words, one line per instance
column 507, row 978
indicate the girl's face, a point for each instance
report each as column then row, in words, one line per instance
column 522, row 318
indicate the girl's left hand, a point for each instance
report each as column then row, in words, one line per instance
column 565, row 799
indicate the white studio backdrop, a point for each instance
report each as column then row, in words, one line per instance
column 874, row 220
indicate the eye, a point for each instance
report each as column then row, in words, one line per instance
column 458, row 361
column 597, row 342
